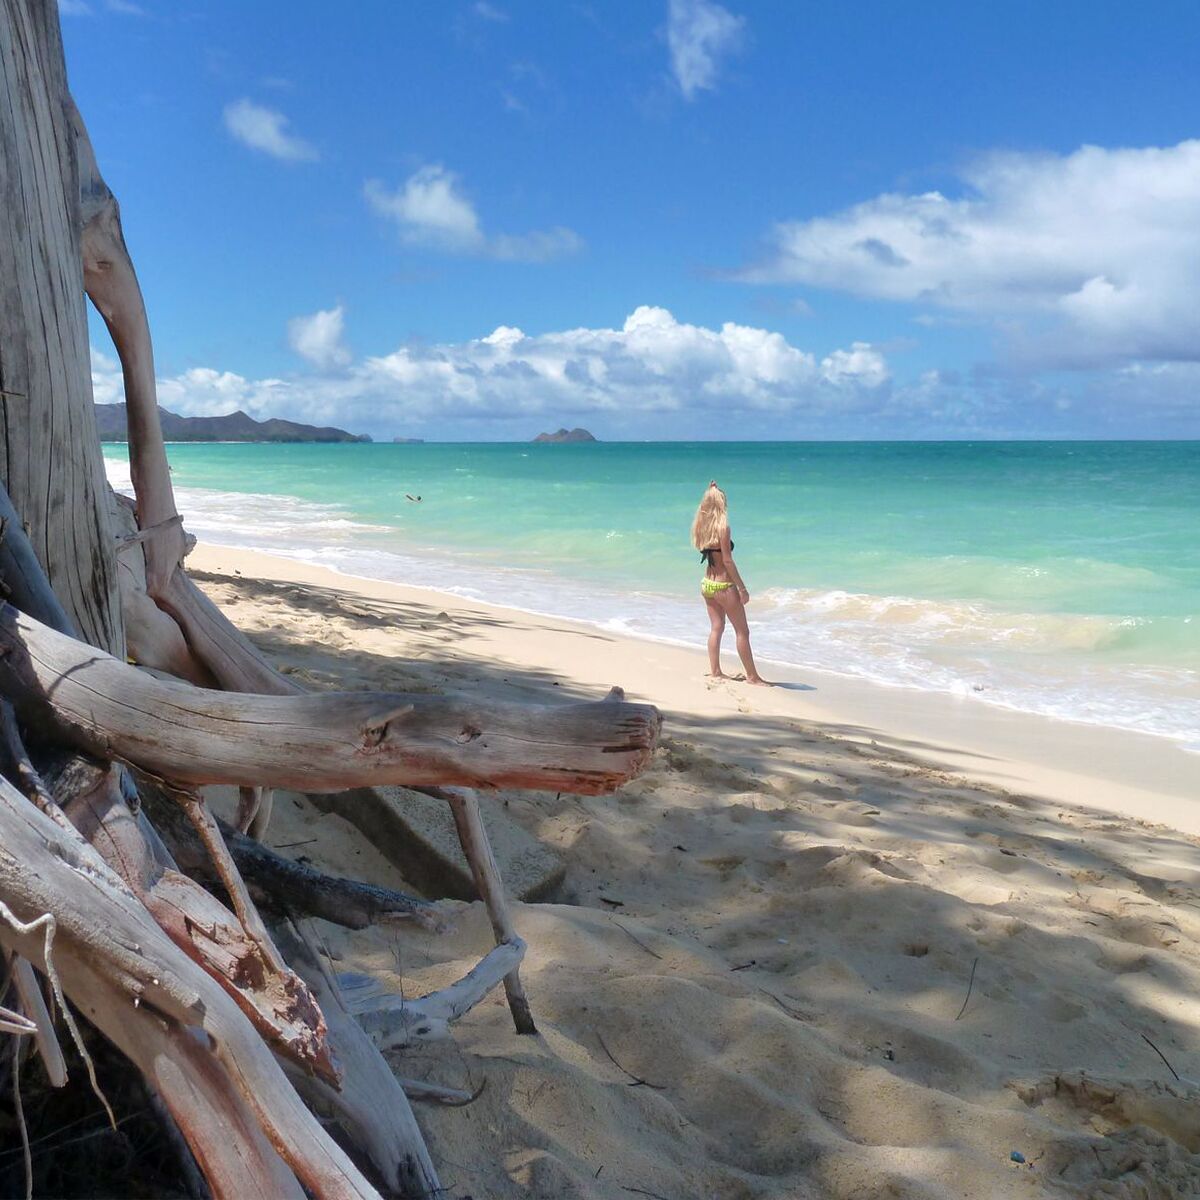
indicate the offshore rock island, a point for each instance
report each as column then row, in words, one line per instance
column 566, row 435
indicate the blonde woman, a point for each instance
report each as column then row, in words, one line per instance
column 724, row 592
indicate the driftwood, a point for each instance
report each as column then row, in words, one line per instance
column 50, row 459
column 127, row 975
column 216, row 647
column 254, row 811
column 465, row 807
column 285, row 885
column 33, row 1004
column 324, row 742
column 371, row 1103
column 152, row 638
column 394, row 1022
column 192, row 1093
column 274, row 999
column 190, row 991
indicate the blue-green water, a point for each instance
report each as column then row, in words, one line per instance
column 1061, row 578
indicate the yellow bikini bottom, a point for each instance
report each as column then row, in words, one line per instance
column 710, row 587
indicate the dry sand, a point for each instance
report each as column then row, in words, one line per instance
column 773, row 931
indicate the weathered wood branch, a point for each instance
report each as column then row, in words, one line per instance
column 215, row 645
column 371, row 1104
column 314, row 743
column 395, row 1021
column 218, row 1126
column 107, row 946
column 253, row 974
column 33, row 1004
column 465, row 806
column 283, row 884
column 152, row 638
column 25, row 582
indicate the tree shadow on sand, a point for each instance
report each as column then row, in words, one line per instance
column 795, row 960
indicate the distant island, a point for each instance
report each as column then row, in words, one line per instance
column 233, row 427
column 566, row 435
column 399, row 441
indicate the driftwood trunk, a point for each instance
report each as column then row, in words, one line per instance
column 186, row 988
column 314, row 743
column 49, row 452
column 106, row 945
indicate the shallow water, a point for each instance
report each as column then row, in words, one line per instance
column 1060, row 578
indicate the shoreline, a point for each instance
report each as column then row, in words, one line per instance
column 999, row 631
column 1147, row 777
column 842, row 971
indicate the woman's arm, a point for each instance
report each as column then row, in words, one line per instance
column 731, row 567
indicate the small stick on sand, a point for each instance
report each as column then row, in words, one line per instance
column 970, row 986
column 638, row 1081
column 1160, row 1055
column 634, row 938
column 791, row 1012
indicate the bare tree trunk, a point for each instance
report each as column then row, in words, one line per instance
column 50, row 459
column 184, row 987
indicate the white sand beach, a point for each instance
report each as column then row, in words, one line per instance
column 837, row 941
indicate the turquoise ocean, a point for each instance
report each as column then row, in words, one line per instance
column 1052, row 577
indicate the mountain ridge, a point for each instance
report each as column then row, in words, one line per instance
column 236, row 426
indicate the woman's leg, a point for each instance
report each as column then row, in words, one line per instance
column 716, row 617
column 737, row 614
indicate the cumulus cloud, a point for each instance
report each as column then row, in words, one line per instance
column 1095, row 253
column 199, row 392
column 107, row 387
column 265, row 129
column 319, row 337
column 652, row 364
column 430, row 209
column 699, row 34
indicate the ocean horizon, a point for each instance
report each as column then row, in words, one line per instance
column 1053, row 577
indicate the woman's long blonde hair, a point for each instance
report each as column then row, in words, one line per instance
column 711, row 520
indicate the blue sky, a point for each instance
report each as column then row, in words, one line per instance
column 662, row 218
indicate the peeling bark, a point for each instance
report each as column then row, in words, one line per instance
column 126, row 974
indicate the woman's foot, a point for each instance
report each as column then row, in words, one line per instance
column 759, row 681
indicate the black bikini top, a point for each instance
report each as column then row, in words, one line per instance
column 706, row 555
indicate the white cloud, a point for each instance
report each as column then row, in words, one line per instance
column 861, row 364
column 1096, row 252
column 319, row 337
column 204, row 392
column 107, row 385
column 489, row 12
column 74, row 8
column 699, row 33
column 199, row 392
column 265, row 129
column 652, row 364
column 430, row 209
